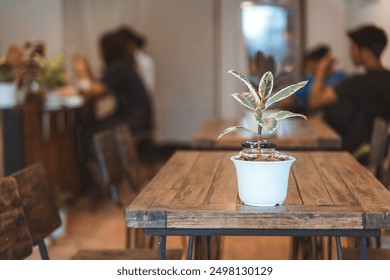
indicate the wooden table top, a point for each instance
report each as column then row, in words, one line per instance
column 291, row 134
column 198, row 189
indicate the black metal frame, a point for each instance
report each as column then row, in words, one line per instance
column 162, row 233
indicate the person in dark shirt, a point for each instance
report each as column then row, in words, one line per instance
column 133, row 105
column 120, row 77
column 367, row 95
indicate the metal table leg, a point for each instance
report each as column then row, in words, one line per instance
column 339, row 250
column 363, row 248
column 162, row 244
column 190, row 247
column 43, row 250
column 361, row 233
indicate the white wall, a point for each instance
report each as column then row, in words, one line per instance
column 181, row 41
column 326, row 23
column 232, row 53
column 20, row 20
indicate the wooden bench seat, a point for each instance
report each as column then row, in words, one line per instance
column 373, row 254
column 133, row 254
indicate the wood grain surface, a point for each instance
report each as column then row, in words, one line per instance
column 198, row 189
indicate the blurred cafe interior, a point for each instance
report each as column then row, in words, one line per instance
column 88, row 134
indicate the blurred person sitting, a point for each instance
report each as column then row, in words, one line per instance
column 133, row 105
column 311, row 61
column 367, row 94
column 121, row 79
column 133, row 102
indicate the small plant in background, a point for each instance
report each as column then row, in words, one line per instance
column 6, row 74
column 51, row 72
column 259, row 101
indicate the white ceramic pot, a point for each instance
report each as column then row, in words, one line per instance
column 52, row 100
column 262, row 183
column 8, row 97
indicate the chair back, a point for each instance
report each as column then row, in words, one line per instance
column 108, row 157
column 15, row 238
column 378, row 147
column 126, row 144
column 38, row 201
column 385, row 179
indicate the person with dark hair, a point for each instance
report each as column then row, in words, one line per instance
column 311, row 61
column 133, row 103
column 136, row 44
column 368, row 94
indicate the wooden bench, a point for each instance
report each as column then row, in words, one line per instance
column 134, row 254
column 373, row 254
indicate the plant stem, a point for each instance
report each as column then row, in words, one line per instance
column 259, row 129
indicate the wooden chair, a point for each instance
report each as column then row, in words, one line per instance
column 135, row 169
column 378, row 147
column 39, row 204
column 129, row 160
column 38, row 200
column 376, row 157
column 109, row 161
column 385, row 176
column 15, row 238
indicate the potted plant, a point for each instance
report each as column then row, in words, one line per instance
column 8, row 96
column 52, row 76
column 262, row 177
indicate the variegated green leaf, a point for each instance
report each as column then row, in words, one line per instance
column 251, row 88
column 269, row 124
column 284, row 93
column 246, row 99
column 233, row 129
column 266, row 84
column 284, row 115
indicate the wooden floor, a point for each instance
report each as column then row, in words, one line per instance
column 103, row 228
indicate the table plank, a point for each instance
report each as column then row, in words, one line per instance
column 224, row 188
column 199, row 181
column 311, row 187
column 335, row 186
column 293, row 194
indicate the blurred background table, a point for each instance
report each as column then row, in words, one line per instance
column 291, row 134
